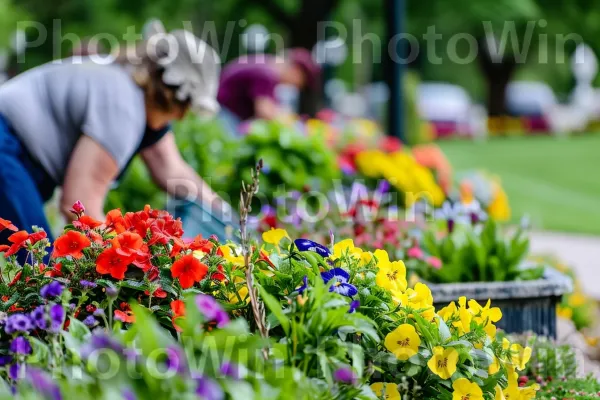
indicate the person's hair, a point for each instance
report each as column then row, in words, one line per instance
column 148, row 75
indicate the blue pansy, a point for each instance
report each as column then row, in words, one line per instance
column 340, row 285
column 309, row 245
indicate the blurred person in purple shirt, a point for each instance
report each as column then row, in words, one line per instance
column 247, row 85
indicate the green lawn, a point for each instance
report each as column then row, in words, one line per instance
column 554, row 180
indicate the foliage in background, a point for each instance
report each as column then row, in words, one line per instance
column 292, row 160
column 478, row 253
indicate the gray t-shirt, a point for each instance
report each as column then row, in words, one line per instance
column 51, row 106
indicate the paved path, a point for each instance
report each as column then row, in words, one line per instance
column 581, row 252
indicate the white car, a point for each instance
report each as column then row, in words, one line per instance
column 450, row 109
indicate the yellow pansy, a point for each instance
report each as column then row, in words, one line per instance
column 242, row 291
column 505, row 344
column 499, row 395
column 519, row 356
column 366, row 257
column 382, row 257
column 576, row 300
column 419, row 298
column 529, row 392
column 392, row 276
column 464, row 389
column 388, row 391
column 346, row 246
column 403, row 342
column 443, row 362
column 564, row 312
column 494, row 367
column 448, row 312
column 493, row 314
column 274, row 236
column 227, row 253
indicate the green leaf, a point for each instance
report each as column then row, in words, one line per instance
column 275, row 308
column 444, row 331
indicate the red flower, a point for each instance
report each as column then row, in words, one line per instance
column 6, row 224
column 125, row 316
column 85, row 223
column 115, row 221
column 143, row 259
column 95, row 237
column 37, row 236
column 3, row 248
column 129, row 242
column 90, row 308
column 203, row 245
column 158, row 293
column 15, row 279
column 219, row 275
column 77, row 208
column 189, row 270
column 152, row 273
column 113, row 262
column 56, row 271
column 71, row 244
column 264, row 256
column 18, row 241
column 178, row 309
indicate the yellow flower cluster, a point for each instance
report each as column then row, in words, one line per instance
column 409, row 337
column 461, row 317
column 499, row 209
column 403, row 172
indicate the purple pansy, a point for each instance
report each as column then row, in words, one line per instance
column 354, row 304
column 345, row 375
column 175, row 360
column 57, row 315
column 14, row 371
column 38, row 316
column 90, row 321
column 43, row 384
column 230, row 370
column 208, row 389
column 18, row 323
column 304, row 286
column 309, row 245
column 340, row 285
column 99, row 312
column 53, row 289
column 5, row 360
column 87, row 284
column 20, row 345
column 212, row 310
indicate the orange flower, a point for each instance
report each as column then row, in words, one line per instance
column 130, row 242
column 85, row 222
column 71, row 244
column 56, row 271
column 113, row 262
column 18, row 241
column 115, row 221
column 6, row 224
column 189, row 270
column 159, row 293
column 178, row 308
column 125, row 316
column 204, row 245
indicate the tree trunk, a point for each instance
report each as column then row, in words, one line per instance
column 498, row 74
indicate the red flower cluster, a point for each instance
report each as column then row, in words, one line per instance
column 20, row 239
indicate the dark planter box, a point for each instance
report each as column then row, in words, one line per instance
column 527, row 306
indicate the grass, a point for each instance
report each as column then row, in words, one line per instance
column 556, row 181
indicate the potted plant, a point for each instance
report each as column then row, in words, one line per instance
column 479, row 262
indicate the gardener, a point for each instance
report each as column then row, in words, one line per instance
column 247, row 88
column 77, row 125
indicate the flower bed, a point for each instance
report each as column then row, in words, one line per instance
column 278, row 319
